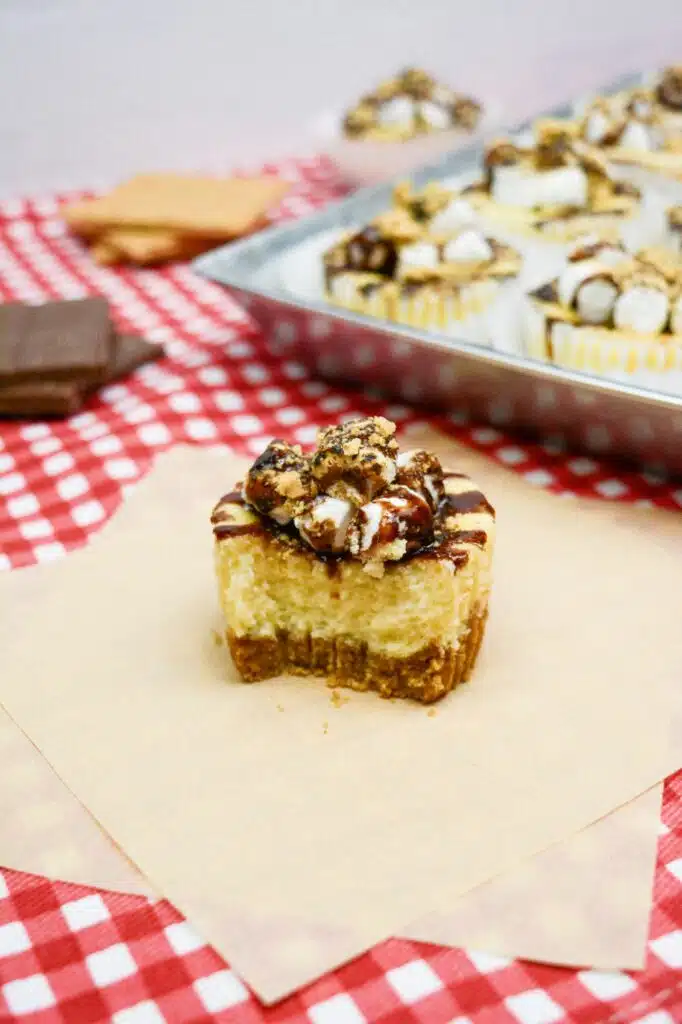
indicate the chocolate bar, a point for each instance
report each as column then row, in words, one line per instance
column 57, row 341
column 45, row 397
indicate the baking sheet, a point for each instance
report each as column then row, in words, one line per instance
column 138, row 718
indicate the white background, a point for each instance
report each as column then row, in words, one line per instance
column 93, row 89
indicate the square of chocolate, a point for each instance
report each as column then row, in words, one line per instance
column 42, row 397
column 56, row 341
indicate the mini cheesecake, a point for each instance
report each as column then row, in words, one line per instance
column 425, row 263
column 358, row 562
column 634, row 133
column 554, row 190
column 409, row 105
column 613, row 315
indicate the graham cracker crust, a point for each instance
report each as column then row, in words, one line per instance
column 425, row 676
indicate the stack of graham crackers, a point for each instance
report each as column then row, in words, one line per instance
column 155, row 218
column 53, row 356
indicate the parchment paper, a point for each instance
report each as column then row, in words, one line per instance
column 172, row 760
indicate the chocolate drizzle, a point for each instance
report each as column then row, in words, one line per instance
column 222, row 530
column 444, row 545
column 546, row 292
column 467, row 501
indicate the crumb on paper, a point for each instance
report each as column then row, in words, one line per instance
column 338, row 699
column 432, row 712
column 218, row 638
column 325, row 728
column 280, row 707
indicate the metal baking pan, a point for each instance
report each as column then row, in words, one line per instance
column 588, row 413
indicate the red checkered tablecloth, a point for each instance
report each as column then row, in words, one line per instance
column 76, row 955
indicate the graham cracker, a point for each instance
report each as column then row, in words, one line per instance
column 210, row 208
column 145, row 246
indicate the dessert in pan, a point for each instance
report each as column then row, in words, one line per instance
column 357, row 562
column 555, row 190
column 613, row 315
column 634, row 132
column 425, row 263
column 411, row 104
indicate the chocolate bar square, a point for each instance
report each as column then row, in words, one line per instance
column 48, row 398
column 59, row 341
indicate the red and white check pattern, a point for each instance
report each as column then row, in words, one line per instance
column 72, row 954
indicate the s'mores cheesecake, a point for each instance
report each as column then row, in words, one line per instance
column 411, row 104
column 357, row 562
column 554, row 190
column 425, row 262
column 613, row 315
column 635, row 135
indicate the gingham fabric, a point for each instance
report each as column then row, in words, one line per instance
column 76, row 955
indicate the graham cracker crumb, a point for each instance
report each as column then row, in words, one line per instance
column 325, row 728
column 280, row 707
column 432, row 713
column 218, row 638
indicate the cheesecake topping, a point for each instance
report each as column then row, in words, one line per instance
column 355, row 495
column 421, row 472
column 428, row 236
column 638, row 294
column 393, row 525
column 410, row 104
column 638, row 127
column 280, row 483
column 559, row 176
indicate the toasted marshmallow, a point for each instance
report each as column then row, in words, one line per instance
column 418, row 255
column 595, row 300
column 422, row 472
column 384, row 529
column 434, row 115
column 575, row 274
column 325, row 525
column 522, row 186
column 643, row 309
column 640, row 136
column 641, row 105
column 399, row 111
column 457, row 214
column 598, row 126
column 468, row 247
